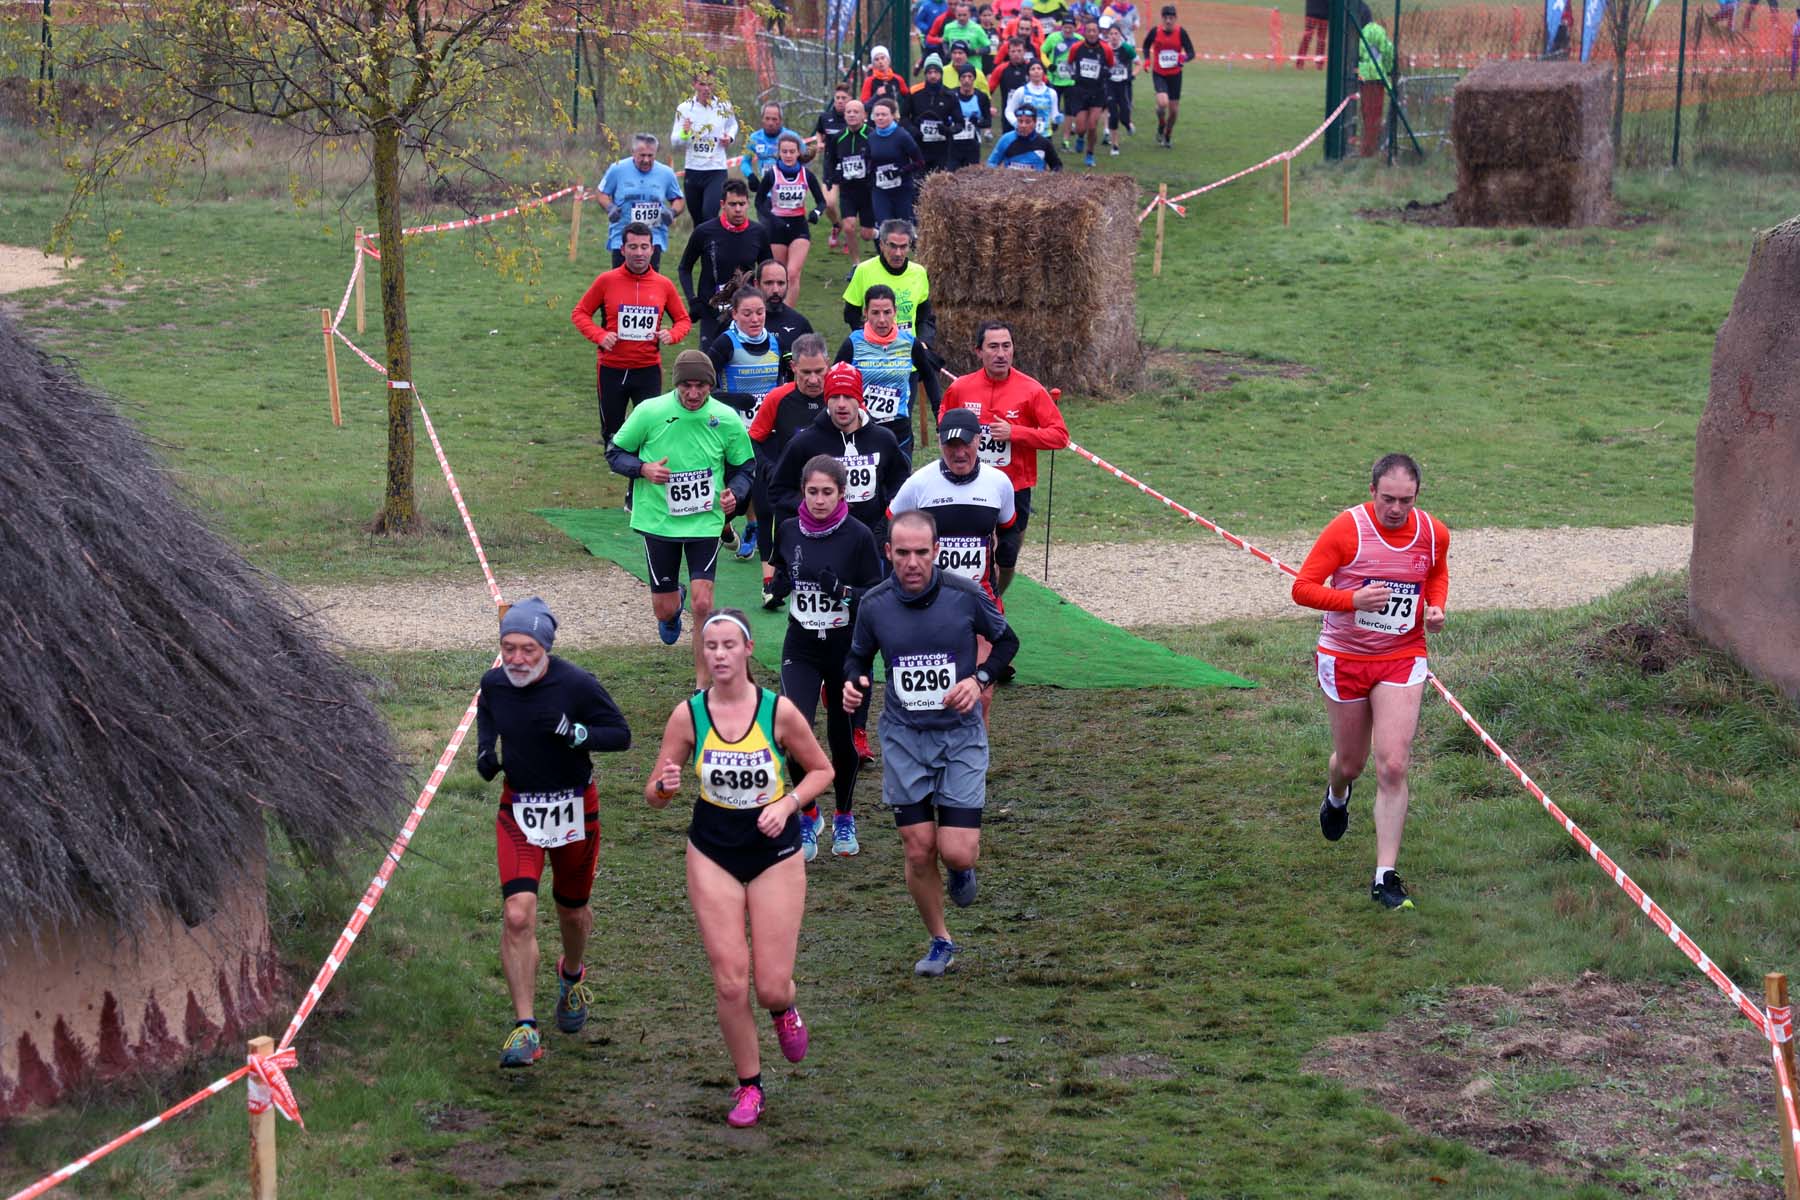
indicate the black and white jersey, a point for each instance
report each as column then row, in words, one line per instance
column 968, row 514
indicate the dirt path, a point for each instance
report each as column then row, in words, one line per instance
column 23, row 267
column 1129, row 584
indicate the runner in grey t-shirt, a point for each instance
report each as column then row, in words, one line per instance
column 934, row 747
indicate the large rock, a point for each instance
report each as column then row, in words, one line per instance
column 1533, row 144
column 1744, row 592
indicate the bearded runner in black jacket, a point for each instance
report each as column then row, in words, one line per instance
column 548, row 716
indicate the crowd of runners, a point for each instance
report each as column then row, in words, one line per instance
column 808, row 464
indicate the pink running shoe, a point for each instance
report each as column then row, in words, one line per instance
column 790, row 1031
column 748, row 1108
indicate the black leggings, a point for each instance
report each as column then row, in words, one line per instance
column 801, row 677
column 702, row 191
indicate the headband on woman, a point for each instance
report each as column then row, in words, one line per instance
column 720, row 616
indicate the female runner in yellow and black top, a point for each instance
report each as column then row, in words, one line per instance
column 743, row 855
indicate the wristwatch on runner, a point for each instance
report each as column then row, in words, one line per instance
column 983, row 678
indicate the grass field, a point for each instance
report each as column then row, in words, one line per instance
column 1543, row 377
column 1163, row 938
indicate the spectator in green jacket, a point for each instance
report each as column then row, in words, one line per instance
column 1373, row 75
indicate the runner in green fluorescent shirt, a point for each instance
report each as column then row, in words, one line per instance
column 691, row 465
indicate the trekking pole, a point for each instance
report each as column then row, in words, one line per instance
column 1050, row 500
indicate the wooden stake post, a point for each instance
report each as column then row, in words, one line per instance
column 1775, row 994
column 360, row 273
column 331, row 379
column 1162, row 211
column 1287, row 186
column 262, row 1134
column 575, row 227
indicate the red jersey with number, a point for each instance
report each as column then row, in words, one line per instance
column 1020, row 401
column 1167, row 50
column 1355, row 551
column 631, row 306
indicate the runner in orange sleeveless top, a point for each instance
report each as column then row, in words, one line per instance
column 1381, row 574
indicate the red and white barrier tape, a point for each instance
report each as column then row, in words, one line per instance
column 1174, row 201
column 1790, row 1114
column 63, row 1174
column 456, row 494
column 349, row 286
column 268, row 1085
column 1639, row 897
column 1189, row 513
column 1613, row 870
column 365, row 908
column 357, row 350
column 484, row 218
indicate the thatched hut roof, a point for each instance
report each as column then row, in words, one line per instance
column 157, row 696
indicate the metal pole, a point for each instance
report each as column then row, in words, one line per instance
column 46, row 72
column 575, row 86
column 1049, row 514
column 1335, row 45
column 1674, row 148
column 1393, row 131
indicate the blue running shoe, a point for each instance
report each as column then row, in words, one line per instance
column 961, row 887
column 670, row 630
column 572, row 1000
column 522, row 1047
column 747, row 544
column 843, row 836
column 809, row 838
column 1088, row 161
column 940, row 958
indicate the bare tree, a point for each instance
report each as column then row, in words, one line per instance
column 444, row 85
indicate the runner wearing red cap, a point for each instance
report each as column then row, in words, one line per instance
column 875, row 468
column 1381, row 574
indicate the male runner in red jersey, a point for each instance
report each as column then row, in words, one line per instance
column 1381, row 574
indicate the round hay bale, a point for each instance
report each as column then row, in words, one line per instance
column 1053, row 255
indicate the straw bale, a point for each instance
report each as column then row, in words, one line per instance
column 159, row 696
column 1533, row 144
column 1051, row 253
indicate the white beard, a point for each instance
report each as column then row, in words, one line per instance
column 529, row 675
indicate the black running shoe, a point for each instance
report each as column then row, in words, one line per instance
column 1335, row 818
column 1390, row 892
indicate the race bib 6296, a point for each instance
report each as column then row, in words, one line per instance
column 921, row 681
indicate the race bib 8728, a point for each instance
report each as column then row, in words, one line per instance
column 882, row 400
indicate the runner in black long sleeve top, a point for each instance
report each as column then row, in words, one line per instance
column 548, row 717
column 823, row 565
